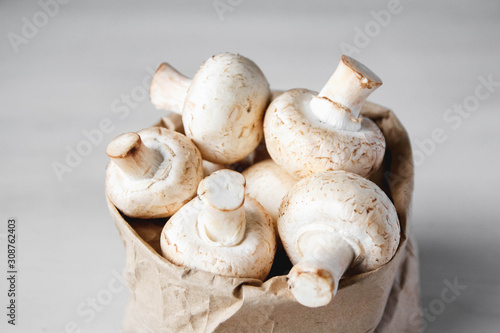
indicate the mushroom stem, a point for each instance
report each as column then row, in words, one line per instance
column 133, row 157
column 222, row 217
column 314, row 280
column 169, row 88
column 347, row 89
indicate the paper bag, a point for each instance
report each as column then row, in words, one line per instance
column 168, row 298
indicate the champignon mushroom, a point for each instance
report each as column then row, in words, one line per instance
column 152, row 173
column 331, row 222
column 307, row 133
column 221, row 107
column 268, row 183
column 221, row 230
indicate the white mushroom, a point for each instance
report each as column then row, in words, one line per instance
column 221, row 107
column 221, row 231
column 332, row 222
column 268, row 183
column 152, row 173
column 307, row 133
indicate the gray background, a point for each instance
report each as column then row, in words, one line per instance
column 72, row 72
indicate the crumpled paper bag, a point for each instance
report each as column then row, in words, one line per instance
column 168, row 298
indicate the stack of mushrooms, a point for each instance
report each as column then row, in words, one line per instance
column 239, row 172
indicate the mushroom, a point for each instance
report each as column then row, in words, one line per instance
column 221, row 107
column 330, row 223
column 152, row 173
column 221, row 231
column 306, row 132
column 268, row 183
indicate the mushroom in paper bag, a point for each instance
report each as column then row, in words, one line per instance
column 152, row 173
column 332, row 222
column 221, row 107
column 307, row 132
column 221, row 231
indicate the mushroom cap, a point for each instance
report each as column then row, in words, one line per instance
column 302, row 145
column 224, row 106
column 344, row 204
column 182, row 244
column 268, row 183
column 174, row 183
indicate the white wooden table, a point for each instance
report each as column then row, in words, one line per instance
column 75, row 75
